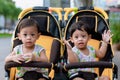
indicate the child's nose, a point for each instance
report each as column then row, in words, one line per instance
column 28, row 36
column 79, row 38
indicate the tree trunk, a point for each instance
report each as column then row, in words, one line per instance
column 83, row 3
column 5, row 24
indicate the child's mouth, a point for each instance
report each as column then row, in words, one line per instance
column 29, row 42
column 80, row 43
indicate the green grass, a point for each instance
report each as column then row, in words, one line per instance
column 5, row 35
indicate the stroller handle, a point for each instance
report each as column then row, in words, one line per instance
column 23, row 12
column 100, row 64
column 67, row 11
column 29, row 64
column 101, row 11
column 57, row 10
column 97, row 9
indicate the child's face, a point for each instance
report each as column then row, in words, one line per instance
column 29, row 35
column 80, row 39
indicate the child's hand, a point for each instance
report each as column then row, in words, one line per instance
column 106, row 36
column 67, row 44
column 28, row 57
column 18, row 58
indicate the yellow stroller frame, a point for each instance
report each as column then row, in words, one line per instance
column 51, row 39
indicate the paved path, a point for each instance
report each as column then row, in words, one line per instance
column 116, row 60
column 4, row 51
column 5, row 46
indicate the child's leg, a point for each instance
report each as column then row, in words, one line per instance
column 42, row 79
column 20, row 79
column 104, row 78
column 77, row 78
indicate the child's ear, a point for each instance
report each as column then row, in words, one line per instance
column 38, row 35
column 90, row 36
column 19, row 37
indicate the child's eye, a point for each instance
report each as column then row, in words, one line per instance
column 76, row 36
column 83, row 36
column 25, row 34
column 32, row 34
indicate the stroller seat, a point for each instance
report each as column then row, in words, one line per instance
column 50, row 30
column 97, row 18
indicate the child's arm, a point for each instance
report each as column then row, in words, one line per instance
column 72, row 57
column 13, row 57
column 106, row 38
column 32, row 57
column 27, row 57
column 43, row 56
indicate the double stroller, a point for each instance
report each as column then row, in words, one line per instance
column 53, row 29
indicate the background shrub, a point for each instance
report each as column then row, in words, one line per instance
column 115, row 26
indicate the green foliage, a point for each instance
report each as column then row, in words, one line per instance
column 2, row 4
column 8, row 9
column 115, row 26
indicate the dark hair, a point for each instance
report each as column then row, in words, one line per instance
column 27, row 22
column 79, row 26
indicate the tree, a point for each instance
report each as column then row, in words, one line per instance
column 2, row 5
column 9, row 10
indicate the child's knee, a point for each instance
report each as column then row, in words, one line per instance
column 42, row 79
column 77, row 78
column 20, row 79
column 104, row 78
